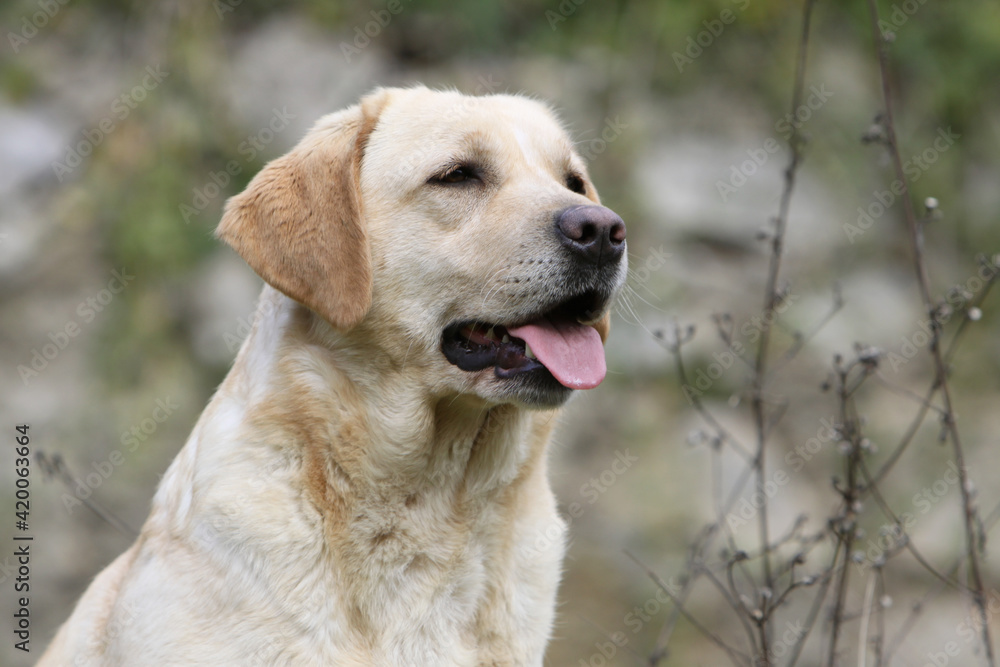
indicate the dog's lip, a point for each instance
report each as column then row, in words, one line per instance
column 477, row 344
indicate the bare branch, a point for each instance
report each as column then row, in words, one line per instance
column 941, row 370
column 735, row 656
column 55, row 466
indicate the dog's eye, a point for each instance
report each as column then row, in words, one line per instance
column 457, row 174
column 575, row 183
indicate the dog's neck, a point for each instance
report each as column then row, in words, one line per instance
column 292, row 378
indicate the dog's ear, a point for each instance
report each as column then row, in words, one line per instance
column 603, row 326
column 300, row 225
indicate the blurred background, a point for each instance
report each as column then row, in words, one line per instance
column 124, row 126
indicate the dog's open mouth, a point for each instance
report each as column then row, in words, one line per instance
column 561, row 341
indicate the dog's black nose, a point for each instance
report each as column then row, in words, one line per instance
column 594, row 233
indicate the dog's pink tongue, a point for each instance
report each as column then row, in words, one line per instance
column 573, row 353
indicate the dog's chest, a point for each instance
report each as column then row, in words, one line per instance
column 407, row 588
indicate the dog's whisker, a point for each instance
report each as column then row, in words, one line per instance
column 628, row 292
column 494, row 284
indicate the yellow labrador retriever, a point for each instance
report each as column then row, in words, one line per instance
column 369, row 486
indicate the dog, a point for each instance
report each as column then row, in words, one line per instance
column 368, row 486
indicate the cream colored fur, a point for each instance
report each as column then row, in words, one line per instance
column 348, row 497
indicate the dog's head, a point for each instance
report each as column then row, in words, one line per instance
column 457, row 235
